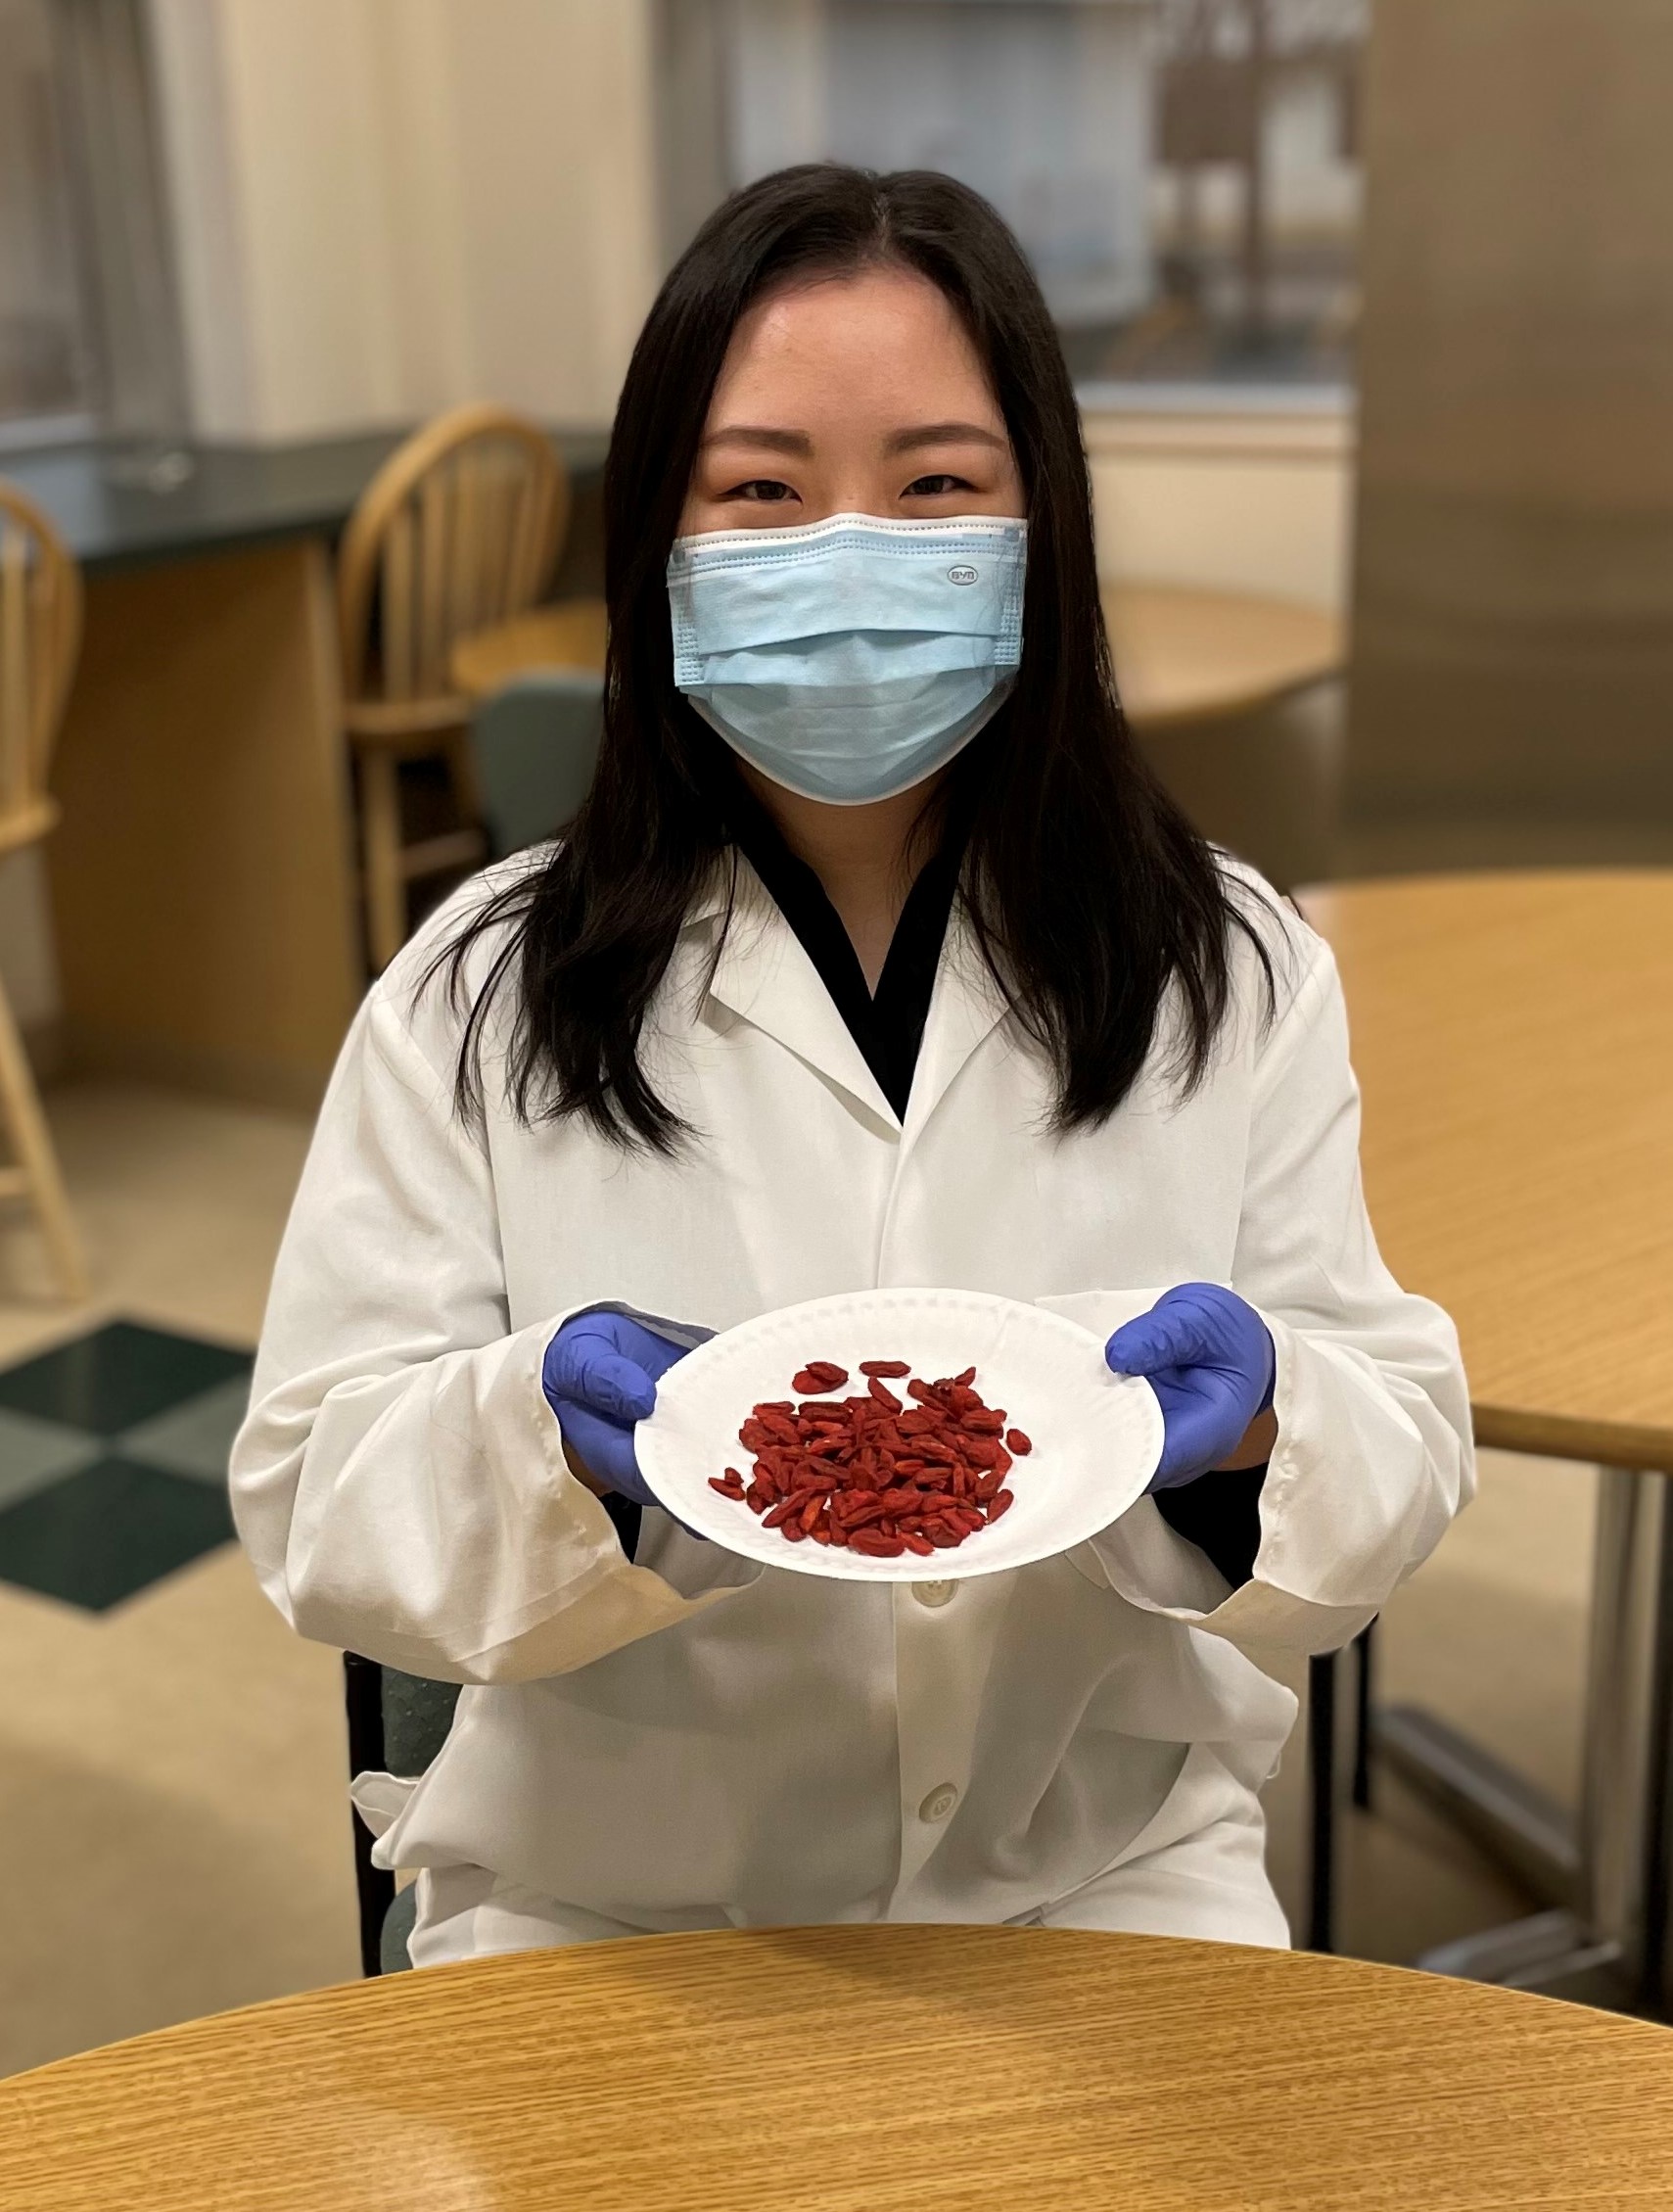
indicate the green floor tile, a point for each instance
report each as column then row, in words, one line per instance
column 34, row 1453
column 194, row 1439
column 98, row 1537
column 118, row 1377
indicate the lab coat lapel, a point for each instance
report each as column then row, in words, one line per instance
column 766, row 978
column 964, row 1007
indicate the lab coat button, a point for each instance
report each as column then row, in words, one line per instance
column 939, row 1802
column 933, row 1593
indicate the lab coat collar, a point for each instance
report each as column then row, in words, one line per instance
column 764, row 978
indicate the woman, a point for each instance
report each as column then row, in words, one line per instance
column 875, row 957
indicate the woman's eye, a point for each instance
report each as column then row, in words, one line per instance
column 765, row 488
column 934, row 487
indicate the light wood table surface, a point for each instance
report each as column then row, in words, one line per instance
column 861, row 2070
column 1187, row 656
column 1180, row 655
column 1513, row 1038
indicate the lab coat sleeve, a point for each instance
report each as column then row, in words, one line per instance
column 399, row 1482
column 1374, row 1455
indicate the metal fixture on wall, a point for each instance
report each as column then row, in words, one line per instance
column 1512, row 677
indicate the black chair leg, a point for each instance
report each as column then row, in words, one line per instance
column 1321, row 1779
column 363, row 1699
column 1363, row 1653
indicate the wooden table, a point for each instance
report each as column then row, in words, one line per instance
column 861, row 2070
column 1513, row 1038
column 1181, row 656
column 1193, row 656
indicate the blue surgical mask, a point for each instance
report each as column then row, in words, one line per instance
column 852, row 658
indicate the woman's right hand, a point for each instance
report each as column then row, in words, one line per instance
column 600, row 1376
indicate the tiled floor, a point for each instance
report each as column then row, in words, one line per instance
column 173, row 1833
column 113, row 1461
column 174, row 1836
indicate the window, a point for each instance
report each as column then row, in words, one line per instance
column 44, row 370
column 89, row 326
column 1184, row 173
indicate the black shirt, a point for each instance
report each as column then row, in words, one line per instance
column 888, row 1027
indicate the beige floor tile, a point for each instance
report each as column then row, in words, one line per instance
column 180, row 1203
column 176, row 1833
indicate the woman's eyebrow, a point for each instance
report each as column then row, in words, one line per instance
column 945, row 433
column 747, row 434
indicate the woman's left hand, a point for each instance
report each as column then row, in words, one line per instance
column 1209, row 1357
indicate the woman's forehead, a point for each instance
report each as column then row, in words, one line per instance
column 880, row 341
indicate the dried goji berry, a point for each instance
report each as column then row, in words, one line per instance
column 870, row 1474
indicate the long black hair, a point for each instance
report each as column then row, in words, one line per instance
column 1088, row 890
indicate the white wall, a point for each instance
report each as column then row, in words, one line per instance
column 1229, row 501
column 383, row 206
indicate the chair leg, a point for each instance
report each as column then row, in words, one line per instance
column 1322, row 1782
column 375, row 1889
column 386, row 884
column 21, row 1103
column 1364, row 1687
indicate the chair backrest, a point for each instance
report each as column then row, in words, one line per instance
column 417, row 1716
column 40, row 634
column 457, row 531
column 536, row 744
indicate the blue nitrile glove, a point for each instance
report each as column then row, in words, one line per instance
column 600, row 1376
column 1209, row 1357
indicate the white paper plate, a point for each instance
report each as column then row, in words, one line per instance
column 1096, row 1435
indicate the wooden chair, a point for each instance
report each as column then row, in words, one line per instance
column 40, row 634
column 457, row 531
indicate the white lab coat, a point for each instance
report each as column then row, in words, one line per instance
column 694, row 1740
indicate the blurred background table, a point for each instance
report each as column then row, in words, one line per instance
column 860, row 2070
column 1186, row 655
column 1236, row 702
column 1514, row 1038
